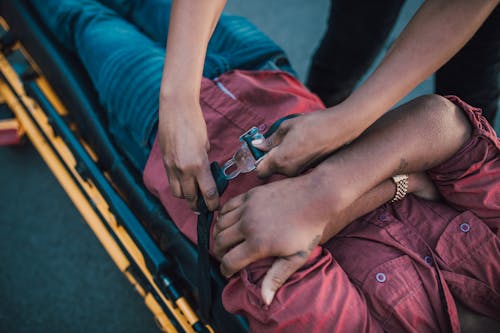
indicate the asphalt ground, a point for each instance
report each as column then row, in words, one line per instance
column 54, row 274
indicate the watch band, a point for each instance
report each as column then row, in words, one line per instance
column 401, row 182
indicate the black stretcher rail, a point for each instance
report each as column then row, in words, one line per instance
column 155, row 259
column 73, row 86
column 168, row 288
column 156, row 262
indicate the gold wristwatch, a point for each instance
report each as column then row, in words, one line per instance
column 401, row 182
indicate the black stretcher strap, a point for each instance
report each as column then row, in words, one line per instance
column 205, row 221
column 72, row 84
column 203, row 235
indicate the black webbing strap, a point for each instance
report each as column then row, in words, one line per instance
column 203, row 234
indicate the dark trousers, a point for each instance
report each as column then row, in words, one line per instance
column 357, row 30
column 125, row 59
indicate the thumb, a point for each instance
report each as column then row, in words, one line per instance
column 266, row 144
column 281, row 269
column 265, row 166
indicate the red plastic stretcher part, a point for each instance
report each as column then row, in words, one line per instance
column 10, row 133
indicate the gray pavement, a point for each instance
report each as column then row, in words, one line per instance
column 54, row 274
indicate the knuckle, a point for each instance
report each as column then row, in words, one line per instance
column 227, row 264
column 269, row 142
column 177, row 194
column 211, row 193
column 189, row 197
column 217, row 242
column 276, row 282
column 259, row 246
column 281, row 161
column 289, row 170
column 282, row 129
column 190, row 166
column 167, row 162
column 243, row 228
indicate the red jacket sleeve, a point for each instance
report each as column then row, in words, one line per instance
column 470, row 179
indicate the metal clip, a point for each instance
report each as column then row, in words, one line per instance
column 243, row 160
column 246, row 158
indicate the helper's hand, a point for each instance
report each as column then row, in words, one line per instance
column 302, row 141
column 184, row 142
column 283, row 219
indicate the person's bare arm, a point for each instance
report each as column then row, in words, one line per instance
column 437, row 31
column 182, row 129
column 287, row 218
column 419, row 184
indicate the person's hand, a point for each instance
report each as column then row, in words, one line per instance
column 283, row 219
column 303, row 141
column 184, row 143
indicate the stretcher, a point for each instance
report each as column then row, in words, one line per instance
column 47, row 97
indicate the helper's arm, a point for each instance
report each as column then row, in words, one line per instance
column 438, row 31
column 182, row 129
column 288, row 218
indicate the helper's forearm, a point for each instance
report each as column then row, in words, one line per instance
column 191, row 26
column 437, row 32
column 415, row 137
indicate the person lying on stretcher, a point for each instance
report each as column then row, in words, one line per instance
column 329, row 250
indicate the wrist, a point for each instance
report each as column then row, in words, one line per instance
column 401, row 183
column 179, row 93
column 343, row 116
column 179, row 102
column 329, row 189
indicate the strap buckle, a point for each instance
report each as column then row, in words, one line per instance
column 243, row 161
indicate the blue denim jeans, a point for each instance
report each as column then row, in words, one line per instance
column 123, row 52
column 236, row 43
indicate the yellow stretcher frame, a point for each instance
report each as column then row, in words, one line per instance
column 121, row 247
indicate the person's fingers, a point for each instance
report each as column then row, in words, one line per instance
column 266, row 144
column 238, row 257
column 273, row 140
column 279, row 272
column 227, row 220
column 208, row 188
column 227, row 239
column 267, row 164
column 173, row 180
column 233, row 203
column 189, row 190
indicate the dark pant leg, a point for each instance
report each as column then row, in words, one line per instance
column 473, row 73
column 235, row 44
column 238, row 44
column 355, row 35
column 124, row 65
column 151, row 16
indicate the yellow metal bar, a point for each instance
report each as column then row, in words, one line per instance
column 181, row 310
column 4, row 24
column 9, row 124
column 71, row 188
column 49, row 93
column 78, row 198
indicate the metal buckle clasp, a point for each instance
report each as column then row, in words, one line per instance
column 242, row 161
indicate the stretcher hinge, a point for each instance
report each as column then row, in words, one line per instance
column 21, row 66
column 7, row 39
